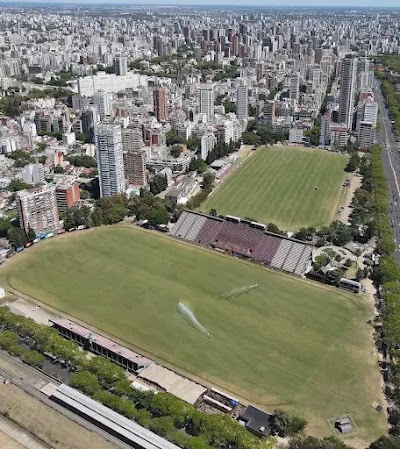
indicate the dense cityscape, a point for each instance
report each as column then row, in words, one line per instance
column 199, row 227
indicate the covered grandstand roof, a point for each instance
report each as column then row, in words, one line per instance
column 173, row 383
column 116, row 424
column 103, row 341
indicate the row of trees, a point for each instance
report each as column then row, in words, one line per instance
column 106, row 382
column 371, row 207
column 392, row 97
column 262, row 135
column 222, row 149
column 82, row 161
column 208, row 185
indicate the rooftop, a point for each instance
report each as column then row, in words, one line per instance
column 257, row 420
column 103, row 341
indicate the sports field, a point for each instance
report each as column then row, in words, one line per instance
column 291, row 187
column 288, row 344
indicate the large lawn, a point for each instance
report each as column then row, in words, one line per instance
column 288, row 344
column 279, row 185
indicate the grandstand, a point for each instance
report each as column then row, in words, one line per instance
column 244, row 238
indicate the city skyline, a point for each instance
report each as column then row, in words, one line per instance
column 253, row 3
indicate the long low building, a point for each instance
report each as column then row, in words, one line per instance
column 123, row 428
column 101, row 345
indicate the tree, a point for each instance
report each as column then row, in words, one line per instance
column 249, row 138
column 85, row 382
column 208, row 180
column 33, row 358
column 82, row 161
column 16, row 237
column 5, row 225
column 229, row 106
column 391, row 442
column 176, row 151
column 106, row 371
column 158, row 184
column 272, row 227
column 285, row 425
column 16, row 185
column 8, row 339
column 58, row 169
column 162, row 426
column 158, row 215
column 354, row 162
column 31, row 235
column 143, row 418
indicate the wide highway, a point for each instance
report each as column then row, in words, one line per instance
column 391, row 163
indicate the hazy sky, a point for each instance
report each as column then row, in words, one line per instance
column 348, row 3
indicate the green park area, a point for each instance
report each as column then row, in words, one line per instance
column 290, row 187
column 287, row 344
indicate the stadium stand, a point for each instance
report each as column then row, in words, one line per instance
column 176, row 231
column 209, row 231
column 303, row 261
column 187, row 226
column 241, row 234
column 245, row 239
column 281, row 254
column 266, row 249
column 196, row 226
column 293, row 257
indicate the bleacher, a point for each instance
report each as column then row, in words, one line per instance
column 195, row 229
column 303, row 260
column 281, row 254
column 293, row 257
column 243, row 235
column 244, row 239
column 266, row 249
column 209, row 231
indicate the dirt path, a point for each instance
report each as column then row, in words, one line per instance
column 355, row 183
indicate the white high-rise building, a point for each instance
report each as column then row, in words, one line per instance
column 208, row 142
column 37, row 208
column 206, row 101
column 347, row 90
column 294, row 87
column 367, row 111
column 110, row 159
column 324, row 131
column 242, row 109
column 33, row 174
column 121, row 65
column 102, row 102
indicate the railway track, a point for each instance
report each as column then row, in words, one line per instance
column 37, row 394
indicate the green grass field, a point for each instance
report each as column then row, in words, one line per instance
column 278, row 185
column 289, row 344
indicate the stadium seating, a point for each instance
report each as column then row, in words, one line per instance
column 293, row 257
column 239, row 233
column 281, row 254
column 178, row 225
column 243, row 239
column 196, row 227
column 208, row 232
column 187, row 226
column 303, row 261
column 266, row 249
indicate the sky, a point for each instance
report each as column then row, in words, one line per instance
column 338, row 3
